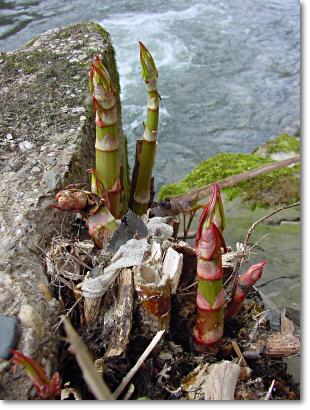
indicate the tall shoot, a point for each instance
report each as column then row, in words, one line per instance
column 106, row 176
column 209, row 326
column 146, row 152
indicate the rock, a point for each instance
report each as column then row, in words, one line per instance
column 25, row 145
column 51, row 179
column 280, row 156
column 35, row 170
column 28, row 193
column 31, row 319
column 131, row 225
column 82, row 57
column 78, row 110
column 8, row 335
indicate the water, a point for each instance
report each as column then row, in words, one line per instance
column 229, row 71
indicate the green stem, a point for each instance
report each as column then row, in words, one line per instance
column 146, row 159
column 106, row 179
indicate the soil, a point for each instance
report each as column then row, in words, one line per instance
column 164, row 374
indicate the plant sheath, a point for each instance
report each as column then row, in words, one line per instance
column 146, row 155
column 106, row 176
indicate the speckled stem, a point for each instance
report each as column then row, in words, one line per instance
column 106, row 178
column 209, row 326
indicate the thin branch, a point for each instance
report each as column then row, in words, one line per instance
column 193, row 213
column 240, row 263
column 137, row 366
column 79, row 261
column 67, row 314
column 249, row 233
column 238, row 352
column 235, row 179
column 184, row 228
column 269, row 393
column 188, row 287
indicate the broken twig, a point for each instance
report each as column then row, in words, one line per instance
column 137, row 366
column 269, row 393
column 249, row 233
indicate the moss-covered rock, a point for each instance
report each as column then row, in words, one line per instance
column 273, row 188
column 283, row 143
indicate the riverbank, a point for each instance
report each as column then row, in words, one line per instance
column 47, row 142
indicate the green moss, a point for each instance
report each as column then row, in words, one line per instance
column 282, row 143
column 221, row 166
column 25, row 62
column 171, row 190
column 276, row 187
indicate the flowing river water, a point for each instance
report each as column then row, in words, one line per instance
column 229, row 71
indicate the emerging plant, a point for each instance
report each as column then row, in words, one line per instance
column 101, row 207
column 106, row 176
column 100, row 222
column 244, row 284
column 45, row 388
column 210, row 297
column 146, row 152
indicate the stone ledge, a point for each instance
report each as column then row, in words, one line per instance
column 47, row 136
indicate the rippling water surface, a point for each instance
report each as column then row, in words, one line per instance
column 229, row 71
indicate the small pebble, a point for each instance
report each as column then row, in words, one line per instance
column 9, row 137
column 83, row 118
column 18, row 233
column 51, row 179
column 78, row 110
column 31, row 319
column 25, row 145
column 82, row 57
column 18, row 218
column 35, row 170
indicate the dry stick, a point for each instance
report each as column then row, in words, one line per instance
column 189, row 224
column 235, row 179
column 269, row 393
column 204, row 191
column 238, row 352
column 140, row 361
column 246, row 240
column 67, row 314
column 184, row 227
column 249, row 233
column 79, row 261
column 130, row 392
